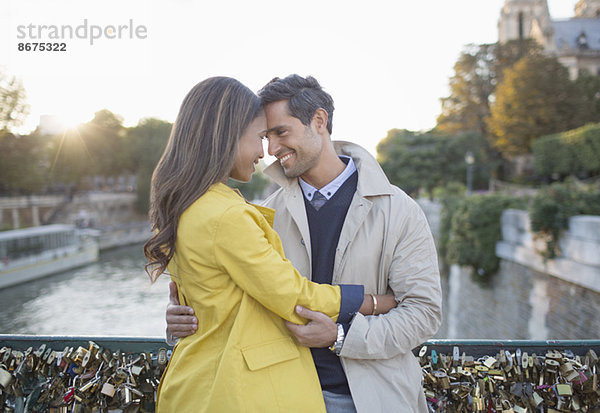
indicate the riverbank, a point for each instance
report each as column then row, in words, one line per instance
column 579, row 259
column 579, row 262
column 120, row 235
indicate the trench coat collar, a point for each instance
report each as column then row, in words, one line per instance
column 372, row 181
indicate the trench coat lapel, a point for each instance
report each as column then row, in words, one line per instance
column 297, row 211
column 357, row 213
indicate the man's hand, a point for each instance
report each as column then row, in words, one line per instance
column 320, row 331
column 180, row 319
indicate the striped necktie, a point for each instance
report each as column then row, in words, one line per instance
column 318, row 200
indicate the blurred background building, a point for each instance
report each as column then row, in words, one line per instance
column 575, row 41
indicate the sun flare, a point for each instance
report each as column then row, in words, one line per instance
column 61, row 123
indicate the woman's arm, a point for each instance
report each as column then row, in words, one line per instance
column 243, row 251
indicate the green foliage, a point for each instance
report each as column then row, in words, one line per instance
column 476, row 73
column 535, row 98
column 552, row 207
column 588, row 87
column 471, row 226
column 105, row 139
column 145, row 144
column 98, row 147
column 476, row 230
column 575, row 152
column 450, row 197
column 415, row 161
column 23, row 163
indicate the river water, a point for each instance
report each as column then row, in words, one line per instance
column 110, row 297
column 114, row 297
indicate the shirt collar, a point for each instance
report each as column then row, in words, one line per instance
column 331, row 188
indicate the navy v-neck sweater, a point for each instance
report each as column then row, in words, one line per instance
column 325, row 226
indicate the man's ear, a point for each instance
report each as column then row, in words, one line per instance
column 320, row 120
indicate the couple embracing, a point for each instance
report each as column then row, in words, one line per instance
column 312, row 301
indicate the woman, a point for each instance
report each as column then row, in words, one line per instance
column 228, row 264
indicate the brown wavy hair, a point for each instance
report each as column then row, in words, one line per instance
column 200, row 152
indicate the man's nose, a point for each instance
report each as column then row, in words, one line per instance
column 274, row 146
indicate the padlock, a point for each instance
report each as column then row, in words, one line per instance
column 554, row 355
column 593, row 358
column 162, row 357
column 126, row 396
column 455, row 356
column 489, row 362
column 108, row 389
column 442, row 379
column 564, row 390
column 86, row 360
column 468, row 361
column 477, row 404
column 136, row 370
column 507, row 407
column 568, row 372
column 537, row 399
column 519, row 409
column 79, row 355
column 5, row 378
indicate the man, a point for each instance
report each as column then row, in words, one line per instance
column 341, row 221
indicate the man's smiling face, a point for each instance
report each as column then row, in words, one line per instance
column 296, row 146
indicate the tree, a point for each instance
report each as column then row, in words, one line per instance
column 145, row 144
column 13, row 108
column 588, row 87
column 406, row 157
column 470, row 88
column 105, row 139
column 98, row 147
column 415, row 161
column 477, row 72
column 23, row 163
column 536, row 98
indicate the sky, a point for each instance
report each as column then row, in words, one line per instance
column 386, row 63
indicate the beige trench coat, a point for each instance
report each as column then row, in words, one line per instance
column 385, row 243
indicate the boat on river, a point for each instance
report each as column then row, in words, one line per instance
column 31, row 253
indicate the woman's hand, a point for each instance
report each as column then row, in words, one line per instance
column 374, row 304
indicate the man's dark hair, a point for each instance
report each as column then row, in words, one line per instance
column 304, row 96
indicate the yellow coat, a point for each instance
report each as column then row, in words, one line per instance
column 230, row 267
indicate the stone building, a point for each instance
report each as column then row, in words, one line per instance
column 574, row 41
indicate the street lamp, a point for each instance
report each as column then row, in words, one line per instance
column 470, row 160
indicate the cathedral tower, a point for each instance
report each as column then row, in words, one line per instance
column 522, row 19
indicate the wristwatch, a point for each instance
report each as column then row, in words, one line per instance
column 336, row 347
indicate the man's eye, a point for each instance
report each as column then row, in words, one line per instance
column 281, row 132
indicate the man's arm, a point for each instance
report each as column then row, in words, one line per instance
column 414, row 278
column 180, row 319
column 321, row 331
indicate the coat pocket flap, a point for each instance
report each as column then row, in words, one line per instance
column 259, row 356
